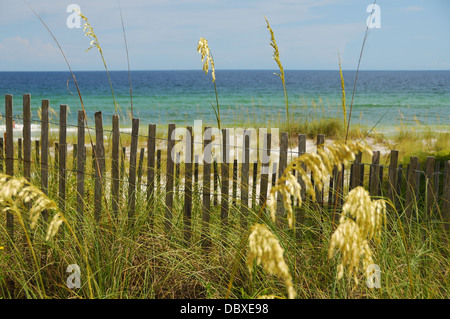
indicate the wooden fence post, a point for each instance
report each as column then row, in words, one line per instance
column 132, row 171
column 380, row 180
column 206, row 205
column 429, row 184
column 151, row 148
column 374, row 174
column 27, row 136
column 300, row 215
column 188, row 184
column 393, row 177
column 56, row 161
column 2, row 155
column 399, row 179
column 245, row 178
column 437, row 170
column 302, row 150
column 340, row 192
column 158, row 170
column 37, row 159
column 44, row 146
column 351, row 182
column 99, row 165
column 274, row 174
column 115, row 165
column 139, row 170
column 320, row 146
column 235, row 177
column 177, row 173
column 225, row 175
column 122, row 175
column 62, row 156
column 446, row 197
column 81, row 165
column 74, row 156
column 333, row 187
column 216, row 183
column 169, row 177
column 265, row 169
column 282, row 166
column 195, row 178
column 254, row 183
column 411, row 195
column 19, row 155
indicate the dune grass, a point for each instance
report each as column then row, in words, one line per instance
column 118, row 260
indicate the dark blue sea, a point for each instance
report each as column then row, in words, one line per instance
column 386, row 98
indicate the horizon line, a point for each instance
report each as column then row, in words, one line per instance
column 182, row 70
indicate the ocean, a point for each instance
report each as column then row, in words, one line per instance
column 386, row 99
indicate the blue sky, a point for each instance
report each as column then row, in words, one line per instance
column 163, row 34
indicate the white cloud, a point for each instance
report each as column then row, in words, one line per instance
column 26, row 51
column 16, row 48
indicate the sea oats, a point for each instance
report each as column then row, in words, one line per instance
column 89, row 32
column 15, row 191
column 348, row 240
column 276, row 52
column 360, row 221
column 265, row 248
column 344, row 106
column 207, row 59
column 54, row 225
column 205, row 52
column 276, row 57
column 368, row 214
column 321, row 166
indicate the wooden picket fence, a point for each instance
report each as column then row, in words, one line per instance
column 404, row 186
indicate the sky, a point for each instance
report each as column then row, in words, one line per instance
column 163, row 34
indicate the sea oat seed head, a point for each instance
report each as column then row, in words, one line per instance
column 360, row 221
column 265, row 248
column 205, row 52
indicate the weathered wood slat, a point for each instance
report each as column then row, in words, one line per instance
column 265, row 169
column 139, row 170
column 254, row 183
column 99, row 166
column 320, row 146
column 81, row 164
column 188, row 159
column 44, row 145
column 115, row 173
column 27, row 136
column 2, row 155
column 411, row 195
column 151, row 149
column 206, row 204
column 282, row 166
column 393, row 177
column 446, row 197
column 169, row 177
column 374, row 179
column 429, row 182
column 132, row 170
column 245, row 179
column 225, row 176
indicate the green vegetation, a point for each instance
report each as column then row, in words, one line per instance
column 119, row 259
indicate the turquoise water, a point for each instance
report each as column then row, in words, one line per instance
column 387, row 97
